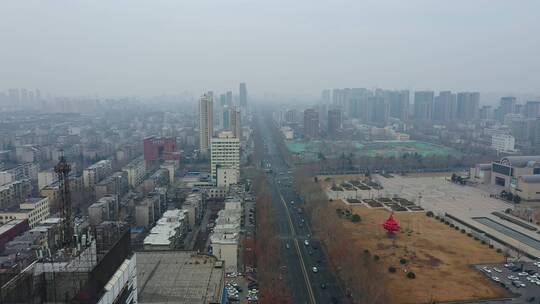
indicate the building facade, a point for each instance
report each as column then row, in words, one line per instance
column 225, row 153
column 206, row 122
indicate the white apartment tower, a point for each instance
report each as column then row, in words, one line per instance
column 225, row 153
column 206, row 122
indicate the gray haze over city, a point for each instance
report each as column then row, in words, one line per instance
column 265, row 152
column 119, row 48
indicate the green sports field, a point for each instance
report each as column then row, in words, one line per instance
column 392, row 148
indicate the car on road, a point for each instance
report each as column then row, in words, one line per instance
column 306, row 242
column 323, row 286
column 518, row 284
column 292, row 202
column 315, row 269
column 310, row 252
column 288, row 246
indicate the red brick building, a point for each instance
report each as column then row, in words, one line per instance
column 159, row 149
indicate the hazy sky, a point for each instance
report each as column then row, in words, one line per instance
column 295, row 46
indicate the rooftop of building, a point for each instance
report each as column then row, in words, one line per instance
column 532, row 179
column 178, row 277
column 34, row 200
column 165, row 228
column 521, row 161
column 9, row 225
column 224, row 238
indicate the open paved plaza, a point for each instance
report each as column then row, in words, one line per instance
column 466, row 203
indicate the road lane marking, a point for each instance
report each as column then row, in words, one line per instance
column 302, row 263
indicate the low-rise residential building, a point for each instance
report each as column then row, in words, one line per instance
column 169, row 231
column 14, row 193
column 115, row 184
column 194, row 206
column 224, row 241
column 96, row 172
column 148, row 211
column 46, row 178
column 33, row 209
column 105, row 209
column 136, row 171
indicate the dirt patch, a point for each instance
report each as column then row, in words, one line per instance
column 439, row 256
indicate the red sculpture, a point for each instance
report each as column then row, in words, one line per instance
column 391, row 225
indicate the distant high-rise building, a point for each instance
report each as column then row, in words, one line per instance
column 444, row 107
column 506, row 106
column 235, row 122
column 223, row 99
column 532, row 109
column 206, row 122
column 334, row 121
column 243, row 95
column 24, row 96
column 14, row 96
column 311, row 123
column 486, row 113
column 468, row 104
column 226, row 117
column 423, row 105
column 381, row 110
column 229, row 98
column 398, row 104
column 325, row 97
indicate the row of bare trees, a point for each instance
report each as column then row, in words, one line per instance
column 360, row 275
column 273, row 288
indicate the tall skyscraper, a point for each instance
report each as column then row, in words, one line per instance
column 226, row 117
column 423, row 105
column 334, row 121
column 468, row 104
column 223, row 99
column 243, row 95
column 235, row 123
column 206, row 122
column 311, row 123
column 229, row 98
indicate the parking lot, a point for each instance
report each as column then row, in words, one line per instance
column 523, row 279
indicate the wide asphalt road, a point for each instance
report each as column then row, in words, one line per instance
column 305, row 285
